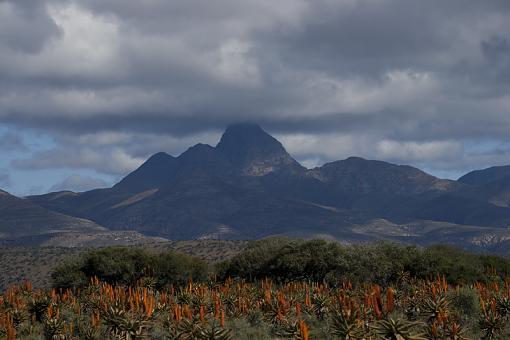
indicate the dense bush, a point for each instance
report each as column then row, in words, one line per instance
column 311, row 260
column 176, row 268
column 69, row 275
column 117, row 265
column 457, row 265
column 381, row 262
column 127, row 266
column 286, row 260
column 253, row 262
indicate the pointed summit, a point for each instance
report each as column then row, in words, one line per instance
column 151, row 174
column 254, row 151
column 242, row 137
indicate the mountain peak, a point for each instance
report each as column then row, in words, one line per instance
column 243, row 135
column 255, row 151
column 151, row 174
column 353, row 159
column 246, row 126
column 198, row 148
column 159, row 156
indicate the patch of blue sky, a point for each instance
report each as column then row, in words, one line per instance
column 23, row 182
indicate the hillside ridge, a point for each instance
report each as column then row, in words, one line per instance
column 248, row 186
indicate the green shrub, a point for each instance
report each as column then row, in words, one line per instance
column 383, row 263
column 497, row 263
column 118, row 265
column 127, row 266
column 175, row 268
column 466, row 302
column 254, row 261
column 457, row 265
column 380, row 262
column 311, row 260
column 69, row 275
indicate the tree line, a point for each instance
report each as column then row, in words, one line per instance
column 283, row 260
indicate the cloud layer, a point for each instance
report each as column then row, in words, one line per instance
column 79, row 183
column 111, row 82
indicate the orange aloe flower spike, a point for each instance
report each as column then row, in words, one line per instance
column 303, row 330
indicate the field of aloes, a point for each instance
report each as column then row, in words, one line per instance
column 413, row 309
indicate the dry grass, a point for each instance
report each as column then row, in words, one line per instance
column 37, row 263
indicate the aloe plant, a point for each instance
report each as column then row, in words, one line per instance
column 398, row 329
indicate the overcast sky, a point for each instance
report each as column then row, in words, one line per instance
column 90, row 88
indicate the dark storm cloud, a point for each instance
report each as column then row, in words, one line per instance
column 497, row 53
column 25, row 25
column 398, row 79
column 374, row 36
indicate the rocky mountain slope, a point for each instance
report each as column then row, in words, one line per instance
column 248, row 186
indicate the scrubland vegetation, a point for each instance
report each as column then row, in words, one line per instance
column 274, row 289
column 37, row 263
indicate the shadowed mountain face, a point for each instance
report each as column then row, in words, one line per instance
column 486, row 176
column 155, row 172
column 22, row 218
column 248, row 186
column 491, row 185
column 363, row 177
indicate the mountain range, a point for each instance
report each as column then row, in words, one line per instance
column 249, row 187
